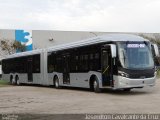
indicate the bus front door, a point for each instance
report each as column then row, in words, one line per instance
column 106, row 66
column 66, row 69
column 30, row 69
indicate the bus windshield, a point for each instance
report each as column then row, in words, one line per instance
column 135, row 55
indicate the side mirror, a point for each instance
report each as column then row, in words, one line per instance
column 113, row 50
column 155, row 50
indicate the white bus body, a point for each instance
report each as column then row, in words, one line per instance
column 117, row 61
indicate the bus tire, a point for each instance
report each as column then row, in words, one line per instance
column 96, row 86
column 17, row 80
column 56, row 82
column 11, row 79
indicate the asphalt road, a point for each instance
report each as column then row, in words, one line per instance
column 48, row 100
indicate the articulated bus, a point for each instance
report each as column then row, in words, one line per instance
column 116, row 61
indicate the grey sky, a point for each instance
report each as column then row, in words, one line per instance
column 81, row 15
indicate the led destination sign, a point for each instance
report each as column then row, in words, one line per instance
column 136, row 45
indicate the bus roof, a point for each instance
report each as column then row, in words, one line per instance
column 90, row 41
column 99, row 39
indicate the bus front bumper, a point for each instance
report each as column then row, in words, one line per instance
column 123, row 82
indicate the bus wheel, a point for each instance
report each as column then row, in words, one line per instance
column 11, row 80
column 17, row 80
column 96, row 86
column 56, row 82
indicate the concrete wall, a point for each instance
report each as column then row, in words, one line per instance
column 44, row 39
column 7, row 34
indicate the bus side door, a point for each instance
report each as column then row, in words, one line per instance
column 106, row 61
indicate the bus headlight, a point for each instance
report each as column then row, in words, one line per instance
column 123, row 74
column 155, row 73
